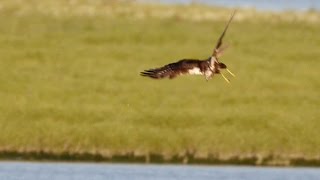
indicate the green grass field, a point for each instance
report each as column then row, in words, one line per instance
column 70, row 82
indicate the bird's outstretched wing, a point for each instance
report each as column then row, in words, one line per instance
column 173, row 70
column 218, row 49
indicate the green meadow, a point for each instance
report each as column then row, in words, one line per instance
column 69, row 80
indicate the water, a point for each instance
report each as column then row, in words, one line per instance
column 273, row 5
column 86, row 171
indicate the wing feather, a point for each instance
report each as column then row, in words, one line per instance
column 219, row 43
column 171, row 70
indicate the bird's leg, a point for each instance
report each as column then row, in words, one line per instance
column 231, row 73
column 207, row 76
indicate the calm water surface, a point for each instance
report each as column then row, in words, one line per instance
column 91, row 171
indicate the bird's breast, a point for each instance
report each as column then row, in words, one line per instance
column 195, row 71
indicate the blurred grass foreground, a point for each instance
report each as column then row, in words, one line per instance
column 70, row 85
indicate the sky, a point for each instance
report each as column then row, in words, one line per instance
column 273, row 5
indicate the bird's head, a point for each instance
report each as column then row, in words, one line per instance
column 222, row 66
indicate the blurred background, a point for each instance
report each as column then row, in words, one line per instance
column 70, row 87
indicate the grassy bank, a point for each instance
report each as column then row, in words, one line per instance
column 69, row 82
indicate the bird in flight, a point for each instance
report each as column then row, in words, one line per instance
column 207, row 67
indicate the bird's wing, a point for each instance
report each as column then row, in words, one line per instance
column 172, row 70
column 219, row 43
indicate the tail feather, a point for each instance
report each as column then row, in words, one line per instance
column 159, row 73
column 172, row 70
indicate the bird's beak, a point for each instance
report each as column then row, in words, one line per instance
column 228, row 81
column 231, row 73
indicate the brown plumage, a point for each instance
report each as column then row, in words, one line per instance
column 174, row 69
column 207, row 67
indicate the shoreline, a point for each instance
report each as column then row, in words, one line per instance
column 161, row 158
